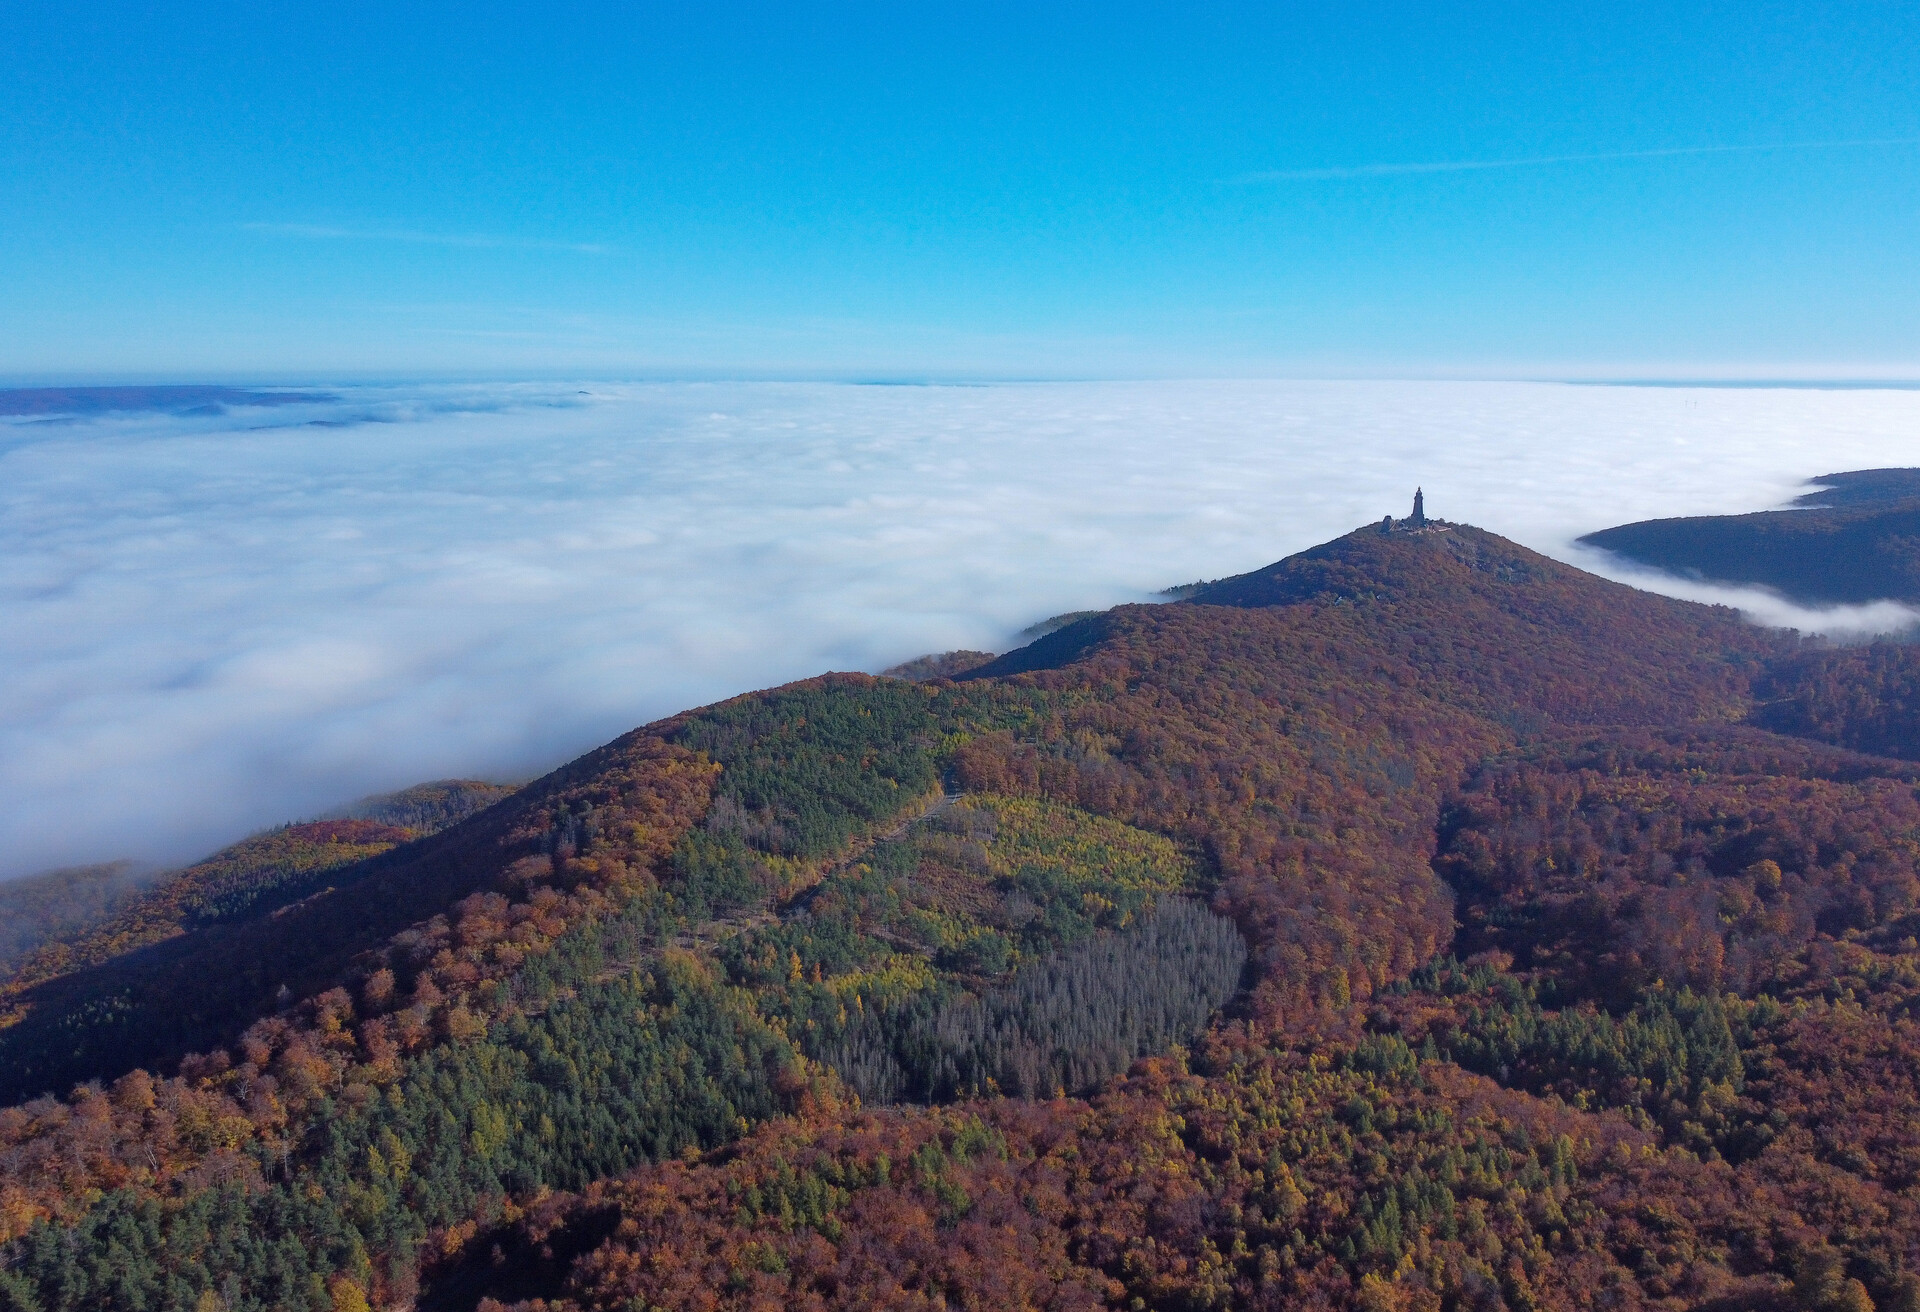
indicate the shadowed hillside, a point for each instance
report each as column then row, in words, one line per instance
column 1856, row 540
column 275, row 918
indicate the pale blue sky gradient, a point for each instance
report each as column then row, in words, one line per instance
column 876, row 191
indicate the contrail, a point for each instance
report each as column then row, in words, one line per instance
column 1469, row 165
column 319, row 232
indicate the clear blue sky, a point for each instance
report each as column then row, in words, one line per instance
column 298, row 191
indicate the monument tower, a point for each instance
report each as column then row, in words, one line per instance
column 1419, row 517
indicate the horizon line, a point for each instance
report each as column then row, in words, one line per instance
column 104, row 380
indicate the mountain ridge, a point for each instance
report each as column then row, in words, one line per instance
column 1854, row 539
column 653, row 979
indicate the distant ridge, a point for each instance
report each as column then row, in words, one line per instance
column 179, row 400
column 1854, row 539
column 426, row 808
column 939, row 665
column 1762, row 384
column 35, row 908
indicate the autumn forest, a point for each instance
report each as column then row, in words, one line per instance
column 1417, row 924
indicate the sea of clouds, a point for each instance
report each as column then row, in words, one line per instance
column 217, row 622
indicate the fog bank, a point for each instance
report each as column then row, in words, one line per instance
column 217, row 622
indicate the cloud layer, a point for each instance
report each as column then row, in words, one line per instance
column 220, row 622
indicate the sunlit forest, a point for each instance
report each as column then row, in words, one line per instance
column 1415, row 925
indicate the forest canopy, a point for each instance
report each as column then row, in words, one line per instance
column 1416, row 923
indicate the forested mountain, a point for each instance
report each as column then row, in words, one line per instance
column 37, row 908
column 134, row 979
column 425, row 808
column 1855, row 539
column 1417, row 923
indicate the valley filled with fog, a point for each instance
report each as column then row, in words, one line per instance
column 224, row 620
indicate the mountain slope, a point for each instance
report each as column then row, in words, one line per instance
column 149, row 981
column 1306, row 729
column 57, row 904
column 175, row 992
column 717, row 929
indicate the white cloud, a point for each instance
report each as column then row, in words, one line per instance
column 212, row 627
column 1845, row 623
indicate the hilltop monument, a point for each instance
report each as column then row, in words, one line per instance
column 1417, row 522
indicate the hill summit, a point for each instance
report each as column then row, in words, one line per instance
column 1415, row 922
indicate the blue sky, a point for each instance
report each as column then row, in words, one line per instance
column 248, row 191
